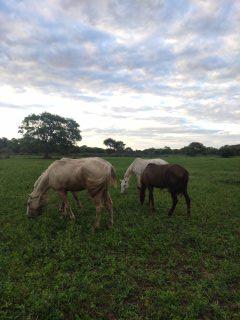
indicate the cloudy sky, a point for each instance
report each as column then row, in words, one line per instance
column 150, row 73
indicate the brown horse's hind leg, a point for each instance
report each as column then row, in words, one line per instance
column 109, row 206
column 67, row 207
column 75, row 196
column 175, row 201
column 188, row 202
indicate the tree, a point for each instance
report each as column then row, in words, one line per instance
column 166, row 150
column 114, row 145
column 119, row 146
column 211, row 151
column 4, row 148
column 4, row 143
column 110, row 143
column 229, row 151
column 194, row 148
column 50, row 132
column 15, row 145
column 128, row 150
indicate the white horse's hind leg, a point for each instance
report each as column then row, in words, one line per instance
column 109, row 206
column 74, row 193
column 138, row 181
column 71, row 214
column 97, row 201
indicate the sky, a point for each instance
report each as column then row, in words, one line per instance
column 150, row 73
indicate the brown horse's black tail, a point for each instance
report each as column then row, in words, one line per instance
column 185, row 180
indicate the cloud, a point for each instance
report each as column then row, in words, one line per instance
column 19, row 107
column 134, row 61
column 151, row 132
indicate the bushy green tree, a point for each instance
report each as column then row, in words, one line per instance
column 114, row 145
column 194, row 148
column 50, row 132
column 229, row 151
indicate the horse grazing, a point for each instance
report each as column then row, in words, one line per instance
column 137, row 167
column 93, row 174
column 170, row 176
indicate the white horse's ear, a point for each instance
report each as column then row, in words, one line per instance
column 33, row 197
column 120, row 180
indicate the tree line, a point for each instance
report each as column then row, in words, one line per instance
column 49, row 134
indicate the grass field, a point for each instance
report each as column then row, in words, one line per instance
column 146, row 267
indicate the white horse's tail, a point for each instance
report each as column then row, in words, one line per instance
column 101, row 184
column 113, row 177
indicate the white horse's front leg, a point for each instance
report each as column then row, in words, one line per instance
column 62, row 209
column 138, row 181
column 67, row 207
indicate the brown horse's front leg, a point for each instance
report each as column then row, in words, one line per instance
column 175, row 201
column 188, row 202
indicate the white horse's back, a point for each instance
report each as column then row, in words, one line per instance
column 73, row 174
column 140, row 164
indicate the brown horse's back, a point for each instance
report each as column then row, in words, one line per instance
column 171, row 176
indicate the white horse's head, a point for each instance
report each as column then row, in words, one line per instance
column 124, row 185
column 35, row 204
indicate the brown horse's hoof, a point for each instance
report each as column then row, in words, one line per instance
column 170, row 213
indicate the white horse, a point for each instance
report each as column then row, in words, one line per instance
column 92, row 174
column 137, row 167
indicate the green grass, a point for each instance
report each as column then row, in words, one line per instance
column 146, row 267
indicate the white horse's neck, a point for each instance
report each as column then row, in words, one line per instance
column 42, row 184
column 129, row 172
column 136, row 168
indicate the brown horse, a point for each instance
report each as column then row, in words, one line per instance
column 93, row 174
column 170, row 176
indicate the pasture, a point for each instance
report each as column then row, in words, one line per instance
column 146, row 267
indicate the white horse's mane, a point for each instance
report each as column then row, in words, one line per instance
column 39, row 178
